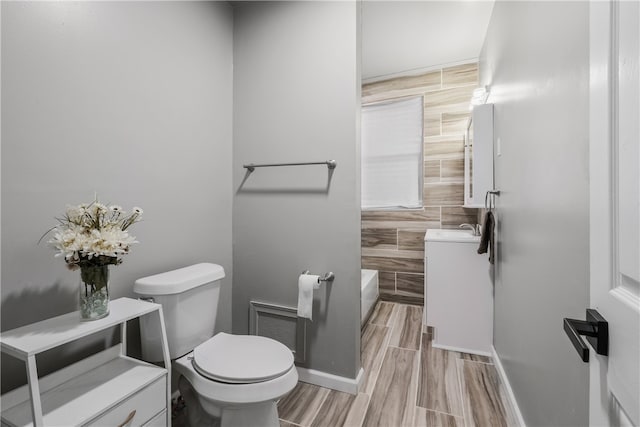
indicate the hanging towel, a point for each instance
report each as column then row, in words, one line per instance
column 306, row 284
column 487, row 241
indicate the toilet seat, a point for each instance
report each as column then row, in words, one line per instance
column 241, row 359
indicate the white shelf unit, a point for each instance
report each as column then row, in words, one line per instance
column 478, row 156
column 108, row 388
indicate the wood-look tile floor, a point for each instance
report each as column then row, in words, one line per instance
column 406, row 383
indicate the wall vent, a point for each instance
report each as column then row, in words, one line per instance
column 280, row 323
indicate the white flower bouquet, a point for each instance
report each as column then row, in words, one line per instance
column 91, row 237
column 94, row 234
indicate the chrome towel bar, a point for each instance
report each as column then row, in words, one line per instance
column 331, row 164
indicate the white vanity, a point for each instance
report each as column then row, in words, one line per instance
column 458, row 292
column 106, row 389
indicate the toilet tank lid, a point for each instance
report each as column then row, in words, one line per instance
column 180, row 280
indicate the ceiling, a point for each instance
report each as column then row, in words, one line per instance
column 403, row 36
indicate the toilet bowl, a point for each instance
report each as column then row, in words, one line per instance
column 233, row 385
column 230, row 380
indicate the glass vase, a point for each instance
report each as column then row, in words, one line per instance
column 94, row 292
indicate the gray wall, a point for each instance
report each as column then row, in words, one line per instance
column 296, row 98
column 128, row 99
column 535, row 58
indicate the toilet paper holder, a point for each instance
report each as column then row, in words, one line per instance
column 327, row 277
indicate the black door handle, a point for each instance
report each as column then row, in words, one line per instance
column 595, row 328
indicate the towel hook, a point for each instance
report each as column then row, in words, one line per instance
column 490, row 202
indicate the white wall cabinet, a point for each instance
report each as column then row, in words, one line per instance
column 478, row 156
column 106, row 389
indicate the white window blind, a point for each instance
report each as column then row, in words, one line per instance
column 392, row 154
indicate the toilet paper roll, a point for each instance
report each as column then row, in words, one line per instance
column 306, row 284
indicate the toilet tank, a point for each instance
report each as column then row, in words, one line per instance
column 189, row 299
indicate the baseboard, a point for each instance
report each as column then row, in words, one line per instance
column 462, row 349
column 507, row 386
column 334, row 382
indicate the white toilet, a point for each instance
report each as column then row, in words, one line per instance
column 233, row 380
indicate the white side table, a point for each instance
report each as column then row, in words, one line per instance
column 108, row 388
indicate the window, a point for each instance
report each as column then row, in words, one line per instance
column 392, row 154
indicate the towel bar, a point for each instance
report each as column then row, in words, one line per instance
column 331, row 164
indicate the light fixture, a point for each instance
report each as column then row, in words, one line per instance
column 479, row 97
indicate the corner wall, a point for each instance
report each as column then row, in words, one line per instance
column 131, row 100
column 297, row 99
column 536, row 61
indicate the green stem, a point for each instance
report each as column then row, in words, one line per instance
column 95, row 278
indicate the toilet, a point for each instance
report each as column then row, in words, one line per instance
column 227, row 380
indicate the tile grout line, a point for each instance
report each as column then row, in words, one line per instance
column 395, row 279
column 463, row 400
column 366, row 409
column 375, row 311
column 413, row 389
column 392, row 320
column 319, row 407
column 402, row 348
column 375, row 383
column 385, row 345
column 396, row 320
column 440, row 412
column 374, row 379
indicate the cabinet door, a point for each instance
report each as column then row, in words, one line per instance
column 479, row 156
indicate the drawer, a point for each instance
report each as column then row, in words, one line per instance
column 159, row 420
column 138, row 409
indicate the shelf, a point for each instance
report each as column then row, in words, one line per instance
column 38, row 337
column 93, row 388
column 107, row 388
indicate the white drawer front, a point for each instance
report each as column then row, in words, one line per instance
column 146, row 403
column 159, row 420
